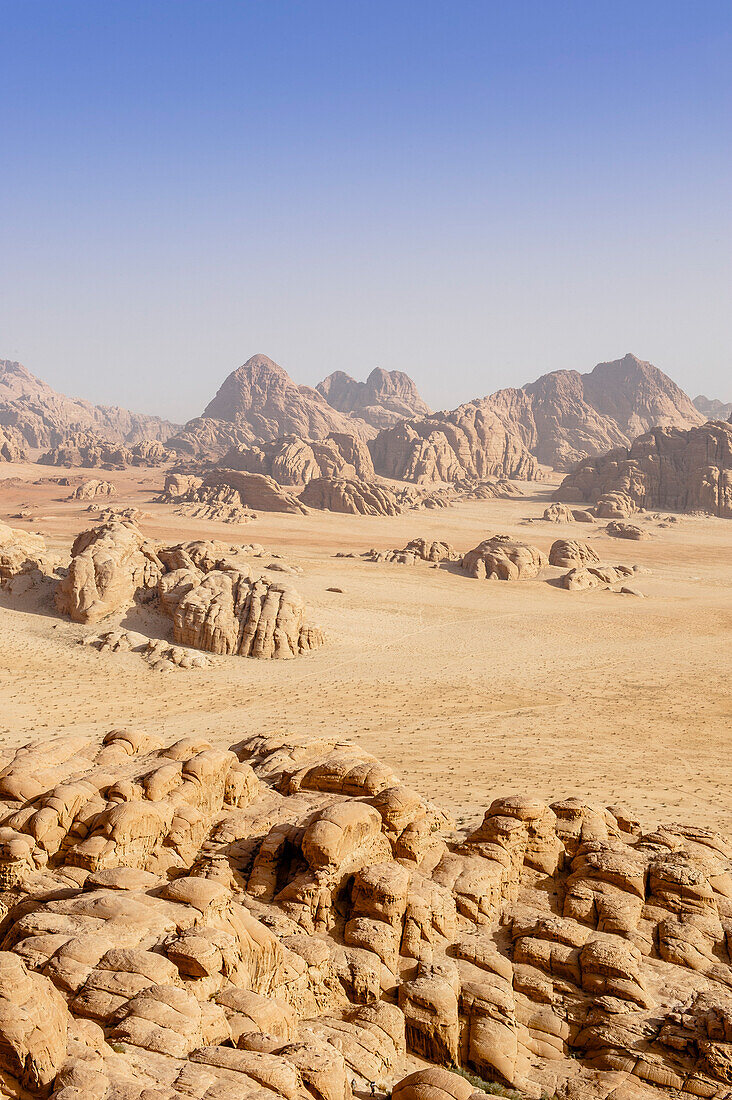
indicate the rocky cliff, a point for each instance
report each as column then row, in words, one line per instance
column 384, row 399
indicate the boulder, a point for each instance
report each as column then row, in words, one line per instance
column 503, row 558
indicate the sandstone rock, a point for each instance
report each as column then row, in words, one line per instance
column 668, row 468
column 260, row 402
column 469, row 443
column 12, row 445
column 595, row 576
column 618, row 530
column 502, row 558
column 614, row 504
column 384, row 399
column 571, row 554
column 257, row 491
column 419, row 549
column 33, row 1024
column 20, row 552
column 88, row 448
column 354, row 497
column 558, row 513
column 90, row 490
column 296, row 461
column 43, row 417
column 109, row 566
column 232, row 612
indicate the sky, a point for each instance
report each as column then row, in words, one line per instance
column 473, row 192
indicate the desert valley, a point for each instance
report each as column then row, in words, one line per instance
column 348, row 746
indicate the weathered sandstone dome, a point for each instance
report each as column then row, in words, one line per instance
column 503, row 558
column 285, row 918
column 385, row 398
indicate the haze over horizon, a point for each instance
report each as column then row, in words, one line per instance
column 470, row 194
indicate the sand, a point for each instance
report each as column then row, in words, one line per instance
column 468, row 689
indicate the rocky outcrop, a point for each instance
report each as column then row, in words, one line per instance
column 89, row 450
column 215, row 503
column 260, row 402
column 416, row 550
column 217, row 603
column 257, row 491
column 44, row 417
column 503, row 558
column 12, row 445
column 385, row 398
column 286, row 919
column 712, row 409
column 90, row 490
column 20, row 552
column 666, row 468
column 582, row 577
column 470, row 443
column 564, row 417
column 572, row 553
column 350, row 496
column 618, row 530
column 234, row 612
column 111, row 566
column 295, row 461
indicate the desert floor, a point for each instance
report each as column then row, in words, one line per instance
column 469, row 689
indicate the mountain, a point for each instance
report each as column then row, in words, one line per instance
column 44, row 417
column 383, row 400
column 259, row 402
column 665, row 468
column 565, row 416
column 712, row 409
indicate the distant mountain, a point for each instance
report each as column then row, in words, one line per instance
column 259, row 402
column 44, row 417
column 712, row 409
column 559, row 420
column 565, row 416
column 384, row 399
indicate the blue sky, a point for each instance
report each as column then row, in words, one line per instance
column 475, row 193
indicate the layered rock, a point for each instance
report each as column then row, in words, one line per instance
column 44, row 417
column 470, row 443
column 564, row 417
column 260, row 402
column 712, row 409
column 88, row 449
column 385, row 398
column 295, row 461
column 350, row 496
column 666, row 468
column 216, row 603
column 20, row 552
column 572, row 553
column 12, row 445
column 90, row 490
column 287, row 919
column 257, row 491
column 416, row 550
column 503, row 558
column 111, row 566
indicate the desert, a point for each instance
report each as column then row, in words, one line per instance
column 365, row 557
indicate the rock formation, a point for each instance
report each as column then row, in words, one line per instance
column 44, row 417
column 470, row 443
column 20, row 552
column 257, row 491
column 295, row 461
column 12, row 445
column 582, row 577
column 350, row 496
column 564, row 417
column 571, row 553
column 712, row 409
column 90, row 490
column 666, row 468
column 260, row 402
column 619, row 530
column 89, row 449
column 416, row 550
column 502, row 558
column 216, row 602
column 385, row 398
column 286, row 919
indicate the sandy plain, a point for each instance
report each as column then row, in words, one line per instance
column 467, row 688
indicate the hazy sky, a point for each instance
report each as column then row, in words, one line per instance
column 475, row 193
